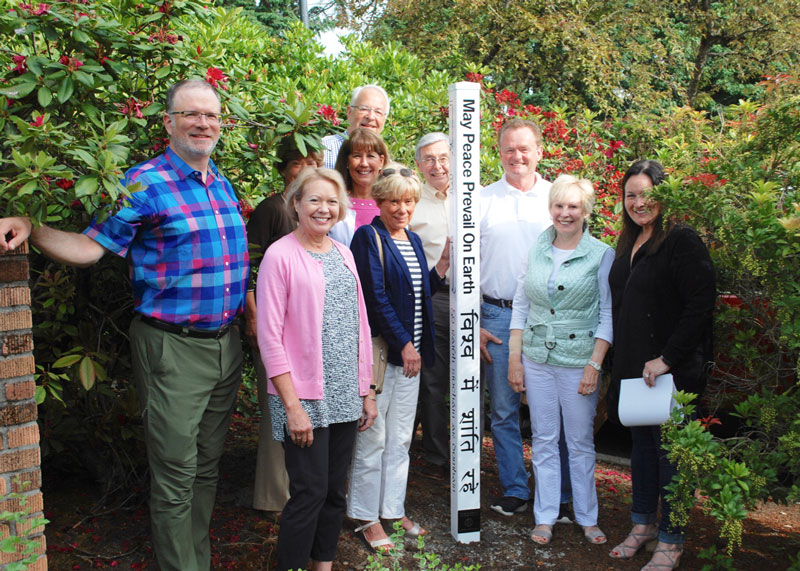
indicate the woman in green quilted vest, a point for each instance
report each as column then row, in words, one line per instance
column 560, row 332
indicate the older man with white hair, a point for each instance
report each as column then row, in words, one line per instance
column 369, row 107
column 431, row 221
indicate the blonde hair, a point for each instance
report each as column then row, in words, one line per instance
column 396, row 185
column 566, row 185
column 296, row 190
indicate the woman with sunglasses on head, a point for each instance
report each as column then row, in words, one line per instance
column 397, row 288
column 360, row 160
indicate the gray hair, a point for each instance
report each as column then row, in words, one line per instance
column 429, row 139
column 357, row 91
column 187, row 83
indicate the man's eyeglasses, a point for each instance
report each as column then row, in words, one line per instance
column 194, row 116
column 402, row 172
column 431, row 161
column 365, row 109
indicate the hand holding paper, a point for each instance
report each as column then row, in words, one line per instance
column 641, row 405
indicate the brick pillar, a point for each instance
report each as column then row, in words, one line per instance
column 20, row 459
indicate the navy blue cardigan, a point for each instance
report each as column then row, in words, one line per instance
column 390, row 300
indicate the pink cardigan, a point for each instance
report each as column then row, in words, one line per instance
column 291, row 294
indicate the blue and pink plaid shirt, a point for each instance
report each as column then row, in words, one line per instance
column 186, row 243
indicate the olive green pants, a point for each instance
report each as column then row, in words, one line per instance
column 187, row 390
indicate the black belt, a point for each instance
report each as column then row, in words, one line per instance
column 498, row 302
column 184, row 331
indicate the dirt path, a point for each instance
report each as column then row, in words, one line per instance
column 244, row 539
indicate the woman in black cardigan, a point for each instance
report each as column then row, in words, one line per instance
column 663, row 294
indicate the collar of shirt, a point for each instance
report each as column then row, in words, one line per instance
column 184, row 171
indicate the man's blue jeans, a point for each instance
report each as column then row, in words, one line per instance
column 505, row 406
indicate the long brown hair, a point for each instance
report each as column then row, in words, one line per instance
column 630, row 229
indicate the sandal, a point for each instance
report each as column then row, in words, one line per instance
column 594, row 536
column 542, row 534
column 381, row 545
column 415, row 530
column 626, row 551
column 671, row 555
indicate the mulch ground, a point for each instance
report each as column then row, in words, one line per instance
column 85, row 535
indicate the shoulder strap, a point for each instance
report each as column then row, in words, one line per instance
column 380, row 246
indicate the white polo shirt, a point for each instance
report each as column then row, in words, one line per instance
column 511, row 221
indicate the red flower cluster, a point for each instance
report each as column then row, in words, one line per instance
column 42, row 10
column 71, row 63
column 709, row 180
column 247, row 210
column 20, row 64
column 65, row 184
column 163, row 36
column 328, row 113
column 160, row 143
column 613, row 146
column 133, row 107
column 475, row 77
column 509, row 98
column 38, row 121
column 215, row 77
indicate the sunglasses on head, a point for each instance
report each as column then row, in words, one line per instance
column 402, row 172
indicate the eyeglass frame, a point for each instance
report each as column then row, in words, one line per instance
column 366, row 109
column 211, row 118
column 431, row 161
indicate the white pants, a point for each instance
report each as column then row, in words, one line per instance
column 553, row 391
column 379, row 472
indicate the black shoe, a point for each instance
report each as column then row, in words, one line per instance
column 434, row 471
column 509, row 505
column 565, row 513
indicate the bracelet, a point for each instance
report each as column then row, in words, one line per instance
column 594, row 366
column 371, row 397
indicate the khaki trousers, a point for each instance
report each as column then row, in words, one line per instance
column 187, row 390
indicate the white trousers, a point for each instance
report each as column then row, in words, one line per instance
column 553, row 391
column 379, row 472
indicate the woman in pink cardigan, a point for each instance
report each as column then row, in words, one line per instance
column 316, row 347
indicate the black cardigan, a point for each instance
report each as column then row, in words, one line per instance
column 662, row 306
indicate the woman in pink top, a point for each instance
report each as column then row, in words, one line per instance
column 314, row 338
column 360, row 160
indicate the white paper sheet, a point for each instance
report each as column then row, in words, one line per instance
column 640, row 405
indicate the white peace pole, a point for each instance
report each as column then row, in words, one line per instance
column 465, row 386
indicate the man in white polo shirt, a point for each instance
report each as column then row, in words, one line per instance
column 369, row 107
column 432, row 222
column 514, row 211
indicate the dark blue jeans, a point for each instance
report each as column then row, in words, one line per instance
column 651, row 472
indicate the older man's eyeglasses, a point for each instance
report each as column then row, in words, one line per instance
column 365, row 109
column 431, row 161
column 402, row 172
column 194, row 116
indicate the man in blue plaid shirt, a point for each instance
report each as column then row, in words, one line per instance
column 184, row 238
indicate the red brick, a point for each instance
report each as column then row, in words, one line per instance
column 33, row 504
column 4, row 531
column 16, row 344
column 11, row 557
column 23, row 436
column 26, row 482
column 19, row 460
column 17, row 414
column 21, row 390
column 14, row 270
column 19, row 367
column 39, row 565
column 26, row 528
column 15, row 320
column 11, row 296
column 21, row 249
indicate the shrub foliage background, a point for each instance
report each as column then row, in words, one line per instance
column 82, row 87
